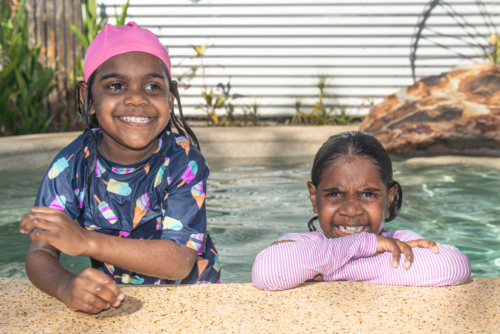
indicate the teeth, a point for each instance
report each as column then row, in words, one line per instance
column 351, row 229
column 136, row 119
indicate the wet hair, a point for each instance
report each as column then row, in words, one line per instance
column 348, row 145
column 90, row 121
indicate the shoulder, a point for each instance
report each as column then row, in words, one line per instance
column 73, row 155
column 181, row 151
column 316, row 235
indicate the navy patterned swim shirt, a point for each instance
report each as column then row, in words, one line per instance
column 161, row 197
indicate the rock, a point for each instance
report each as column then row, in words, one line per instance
column 457, row 112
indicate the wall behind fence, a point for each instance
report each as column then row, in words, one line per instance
column 271, row 50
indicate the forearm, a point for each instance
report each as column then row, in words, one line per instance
column 45, row 271
column 286, row 265
column 157, row 258
column 449, row 267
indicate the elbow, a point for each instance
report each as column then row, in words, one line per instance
column 178, row 267
column 464, row 267
column 178, row 274
column 460, row 267
column 266, row 273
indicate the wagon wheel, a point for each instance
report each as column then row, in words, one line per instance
column 474, row 41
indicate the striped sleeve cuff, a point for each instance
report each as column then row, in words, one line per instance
column 369, row 246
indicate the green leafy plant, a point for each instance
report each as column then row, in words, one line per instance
column 229, row 119
column 251, row 113
column 89, row 21
column 299, row 117
column 90, row 30
column 120, row 20
column 212, row 102
column 24, row 83
column 321, row 114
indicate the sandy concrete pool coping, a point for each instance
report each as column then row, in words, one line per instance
column 32, row 151
column 240, row 308
column 335, row 307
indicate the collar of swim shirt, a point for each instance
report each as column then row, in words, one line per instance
column 120, row 169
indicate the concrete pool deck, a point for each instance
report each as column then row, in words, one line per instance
column 352, row 307
column 33, row 151
column 336, row 307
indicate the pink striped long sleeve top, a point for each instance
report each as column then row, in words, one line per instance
column 286, row 265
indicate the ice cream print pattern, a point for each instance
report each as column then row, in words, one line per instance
column 58, row 167
column 80, row 194
column 183, row 142
column 165, row 202
column 198, row 194
column 141, row 207
column 190, row 173
column 58, row 203
column 106, row 211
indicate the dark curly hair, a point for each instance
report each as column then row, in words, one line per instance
column 350, row 144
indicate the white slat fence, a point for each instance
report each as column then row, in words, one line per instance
column 272, row 50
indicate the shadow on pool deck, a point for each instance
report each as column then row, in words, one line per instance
column 241, row 308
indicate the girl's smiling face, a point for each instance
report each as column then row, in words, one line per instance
column 351, row 198
column 131, row 100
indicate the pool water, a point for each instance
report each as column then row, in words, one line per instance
column 251, row 202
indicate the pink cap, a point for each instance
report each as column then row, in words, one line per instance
column 112, row 41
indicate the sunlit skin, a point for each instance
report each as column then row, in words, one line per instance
column 139, row 89
column 351, row 193
column 133, row 84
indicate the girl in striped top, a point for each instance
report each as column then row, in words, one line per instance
column 353, row 193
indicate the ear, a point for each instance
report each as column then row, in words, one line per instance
column 312, row 196
column 83, row 91
column 171, row 99
column 391, row 195
column 83, row 94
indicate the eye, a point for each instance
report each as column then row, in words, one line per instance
column 334, row 194
column 115, row 86
column 369, row 194
column 153, row 87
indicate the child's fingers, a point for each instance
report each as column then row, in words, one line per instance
column 407, row 251
column 102, row 285
column 39, row 223
column 396, row 253
column 44, row 209
column 423, row 243
column 37, row 212
column 90, row 302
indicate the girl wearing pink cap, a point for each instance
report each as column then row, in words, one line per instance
column 136, row 188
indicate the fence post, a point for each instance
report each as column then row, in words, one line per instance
column 49, row 22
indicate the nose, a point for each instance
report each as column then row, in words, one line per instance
column 350, row 208
column 136, row 97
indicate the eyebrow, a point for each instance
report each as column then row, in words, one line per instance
column 154, row 75
column 371, row 189
column 123, row 76
column 114, row 75
column 337, row 189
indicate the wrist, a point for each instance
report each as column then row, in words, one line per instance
column 64, row 290
column 90, row 244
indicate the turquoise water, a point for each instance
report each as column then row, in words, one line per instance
column 252, row 202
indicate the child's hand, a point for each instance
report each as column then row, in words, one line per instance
column 91, row 291
column 423, row 243
column 396, row 246
column 56, row 228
